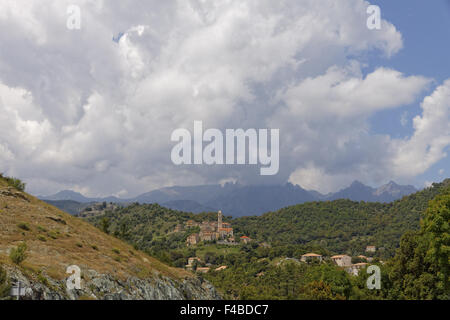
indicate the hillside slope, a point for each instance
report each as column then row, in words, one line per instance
column 342, row 226
column 110, row 268
column 339, row 226
column 69, row 206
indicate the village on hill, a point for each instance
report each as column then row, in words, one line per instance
column 222, row 233
column 219, row 231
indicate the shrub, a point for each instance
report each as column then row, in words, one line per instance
column 79, row 245
column 24, row 226
column 15, row 183
column 4, row 284
column 42, row 238
column 52, row 235
column 17, row 255
column 41, row 229
column 42, row 279
column 115, row 250
column 95, row 247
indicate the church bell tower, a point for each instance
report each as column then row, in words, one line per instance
column 219, row 220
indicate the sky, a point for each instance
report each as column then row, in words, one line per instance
column 92, row 109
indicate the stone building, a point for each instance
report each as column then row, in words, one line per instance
column 178, row 228
column 210, row 230
column 226, row 225
column 208, row 236
column 342, row 260
column 193, row 239
column 225, row 232
column 191, row 224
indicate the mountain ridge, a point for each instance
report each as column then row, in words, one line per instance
column 239, row 200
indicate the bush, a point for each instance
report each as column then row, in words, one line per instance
column 4, row 285
column 52, row 235
column 18, row 254
column 15, row 183
column 41, row 229
column 24, row 226
column 42, row 279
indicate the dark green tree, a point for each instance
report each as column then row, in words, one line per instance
column 420, row 268
column 104, row 225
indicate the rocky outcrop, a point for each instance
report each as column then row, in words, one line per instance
column 105, row 287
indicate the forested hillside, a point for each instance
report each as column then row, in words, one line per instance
column 149, row 226
column 342, row 226
column 269, row 267
column 419, row 270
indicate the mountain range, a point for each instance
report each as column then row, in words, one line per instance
column 239, row 200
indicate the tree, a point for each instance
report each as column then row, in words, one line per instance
column 319, row 290
column 337, row 279
column 194, row 265
column 104, row 225
column 210, row 257
column 420, row 268
column 436, row 231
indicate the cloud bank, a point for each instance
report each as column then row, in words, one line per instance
column 82, row 111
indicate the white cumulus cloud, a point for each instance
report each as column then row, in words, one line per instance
column 80, row 110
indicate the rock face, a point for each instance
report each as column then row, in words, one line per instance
column 360, row 192
column 104, row 287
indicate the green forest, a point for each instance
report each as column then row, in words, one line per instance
column 412, row 235
column 342, row 226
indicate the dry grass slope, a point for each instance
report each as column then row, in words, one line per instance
column 57, row 240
